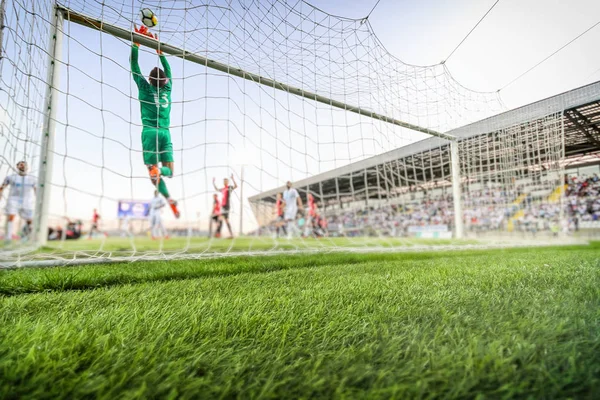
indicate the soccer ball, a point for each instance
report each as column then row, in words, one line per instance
column 148, row 17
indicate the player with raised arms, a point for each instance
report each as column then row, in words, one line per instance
column 155, row 107
column 21, row 198
column 225, row 203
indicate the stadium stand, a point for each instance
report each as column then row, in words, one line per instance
column 392, row 195
column 533, row 210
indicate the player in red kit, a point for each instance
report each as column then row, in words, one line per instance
column 215, row 217
column 279, row 212
column 225, row 202
column 312, row 206
column 313, row 214
column 95, row 219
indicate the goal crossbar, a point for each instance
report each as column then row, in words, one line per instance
column 78, row 18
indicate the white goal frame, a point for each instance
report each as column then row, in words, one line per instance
column 62, row 14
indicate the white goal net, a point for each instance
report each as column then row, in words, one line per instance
column 261, row 93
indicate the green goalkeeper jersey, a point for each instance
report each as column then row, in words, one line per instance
column 155, row 103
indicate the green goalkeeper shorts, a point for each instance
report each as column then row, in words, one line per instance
column 157, row 146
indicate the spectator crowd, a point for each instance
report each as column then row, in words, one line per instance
column 485, row 210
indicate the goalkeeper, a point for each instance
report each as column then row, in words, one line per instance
column 155, row 106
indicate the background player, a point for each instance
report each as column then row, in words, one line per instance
column 95, row 223
column 156, row 226
column 215, row 217
column 279, row 218
column 225, row 203
column 313, row 216
column 155, row 108
column 293, row 203
column 125, row 225
column 20, row 199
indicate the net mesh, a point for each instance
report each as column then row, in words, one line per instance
column 23, row 70
column 511, row 184
column 374, row 184
column 514, row 180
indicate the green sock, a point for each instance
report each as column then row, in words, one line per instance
column 165, row 171
column 162, row 188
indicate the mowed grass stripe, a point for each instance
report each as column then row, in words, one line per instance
column 510, row 324
column 34, row 280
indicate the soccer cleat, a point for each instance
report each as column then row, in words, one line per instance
column 154, row 174
column 173, row 205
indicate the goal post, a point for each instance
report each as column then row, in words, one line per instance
column 456, row 189
column 42, row 204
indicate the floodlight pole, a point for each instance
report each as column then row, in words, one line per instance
column 42, row 202
column 456, row 190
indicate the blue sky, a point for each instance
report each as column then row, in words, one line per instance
column 221, row 122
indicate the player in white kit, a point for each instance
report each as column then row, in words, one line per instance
column 293, row 202
column 21, row 199
column 156, row 225
column 126, row 226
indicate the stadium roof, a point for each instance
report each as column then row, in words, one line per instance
column 581, row 109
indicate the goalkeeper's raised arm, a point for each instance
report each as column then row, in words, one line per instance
column 138, row 78
column 166, row 66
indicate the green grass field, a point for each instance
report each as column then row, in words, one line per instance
column 241, row 244
column 457, row 324
column 118, row 248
